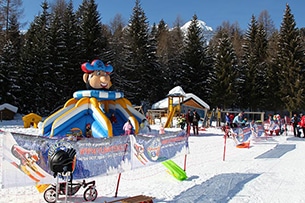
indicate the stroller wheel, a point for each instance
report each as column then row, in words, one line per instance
column 50, row 195
column 90, row 194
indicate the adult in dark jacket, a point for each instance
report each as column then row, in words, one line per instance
column 189, row 121
column 294, row 121
column 196, row 119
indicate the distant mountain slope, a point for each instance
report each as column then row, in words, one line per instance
column 201, row 23
column 207, row 30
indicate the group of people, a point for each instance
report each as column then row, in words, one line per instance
column 297, row 122
column 190, row 119
column 214, row 115
column 235, row 121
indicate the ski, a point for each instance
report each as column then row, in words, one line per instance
column 141, row 158
column 25, row 170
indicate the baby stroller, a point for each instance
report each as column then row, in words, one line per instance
column 90, row 193
column 62, row 163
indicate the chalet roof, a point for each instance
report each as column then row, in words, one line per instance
column 9, row 107
column 178, row 91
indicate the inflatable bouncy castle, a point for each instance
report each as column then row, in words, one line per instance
column 96, row 112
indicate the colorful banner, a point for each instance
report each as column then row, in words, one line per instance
column 272, row 127
column 26, row 157
column 258, row 130
column 149, row 150
column 242, row 134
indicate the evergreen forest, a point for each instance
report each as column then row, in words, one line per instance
column 258, row 69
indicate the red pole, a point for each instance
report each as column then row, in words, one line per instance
column 225, row 143
column 119, row 178
column 187, row 150
column 188, row 129
column 117, row 185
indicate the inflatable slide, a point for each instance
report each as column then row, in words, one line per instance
column 92, row 108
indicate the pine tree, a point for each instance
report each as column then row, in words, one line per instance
column 93, row 41
column 153, row 66
column 10, row 43
column 253, row 67
column 57, row 58
column 196, row 60
column 302, row 34
column 169, row 54
column 116, row 44
column 167, row 73
column 36, row 69
column 71, row 53
column 140, row 59
column 262, row 56
column 224, row 74
column 271, row 99
column 10, row 63
column 175, row 56
column 269, row 79
column 225, row 35
column 290, row 64
column 234, row 33
column 65, row 53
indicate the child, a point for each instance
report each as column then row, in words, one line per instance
column 113, row 118
column 88, row 130
column 182, row 121
column 127, row 127
column 161, row 130
column 144, row 126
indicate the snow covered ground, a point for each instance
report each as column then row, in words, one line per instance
column 271, row 170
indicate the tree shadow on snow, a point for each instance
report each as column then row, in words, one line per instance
column 220, row 188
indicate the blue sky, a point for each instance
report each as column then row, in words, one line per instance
column 213, row 12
